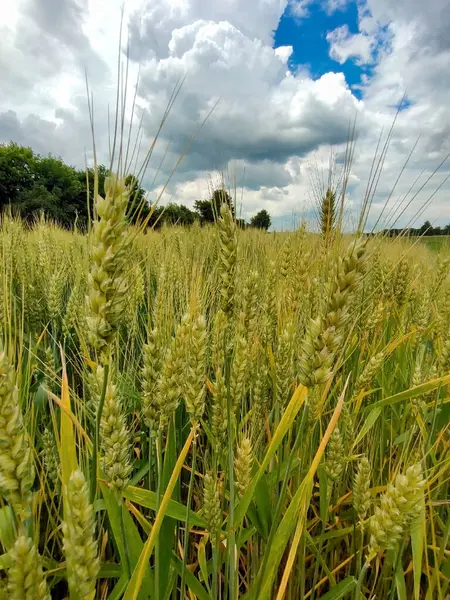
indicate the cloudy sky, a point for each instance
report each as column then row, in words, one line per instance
column 289, row 77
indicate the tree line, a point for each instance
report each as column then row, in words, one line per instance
column 425, row 230
column 31, row 184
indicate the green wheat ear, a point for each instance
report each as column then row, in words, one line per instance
column 26, row 579
column 398, row 507
column 115, row 438
column 328, row 216
column 16, row 464
column 50, row 459
column 107, row 285
column 243, row 465
column 362, row 499
column 228, row 257
column 149, row 376
column 170, row 385
column 335, row 456
column 195, row 369
column 80, row 546
column 212, row 511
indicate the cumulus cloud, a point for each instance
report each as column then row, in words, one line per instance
column 264, row 112
column 345, row 45
column 152, row 25
column 43, row 41
column 430, row 20
column 284, row 53
column 414, row 62
column 409, row 50
column 269, row 122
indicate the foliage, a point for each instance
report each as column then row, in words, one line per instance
column 426, row 230
column 210, row 209
column 178, row 214
column 261, row 220
column 31, row 185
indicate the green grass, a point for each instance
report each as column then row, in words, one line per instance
column 437, row 242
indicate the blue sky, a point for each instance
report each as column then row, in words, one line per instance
column 307, row 36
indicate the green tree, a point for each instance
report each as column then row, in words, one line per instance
column 31, row 203
column 31, row 184
column 178, row 214
column 17, row 173
column 220, row 197
column 64, row 188
column 426, row 228
column 209, row 210
column 205, row 210
column 261, row 220
column 138, row 208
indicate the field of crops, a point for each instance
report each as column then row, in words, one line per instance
column 218, row 413
column 437, row 242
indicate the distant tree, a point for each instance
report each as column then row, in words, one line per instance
column 446, row 230
column 17, row 173
column 425, row 229
column 178, row 214
column 209, row 210
column 261, row 220
column 205, row 210
column 155, row 219
column 31, row 203
column 63, row 185
column 33, row 185
column 188, row 216
column 138, row 208
column 219, row 197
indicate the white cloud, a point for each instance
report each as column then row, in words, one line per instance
column 331, row 6
column 152, row 25
column 299, row 8
column 284, row 52
column 264, row 112
column 345, row 45
column 269, row 123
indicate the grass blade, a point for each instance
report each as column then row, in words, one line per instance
column 175, row 510
column 137, row 578
column 284, row 426
column 341, row 590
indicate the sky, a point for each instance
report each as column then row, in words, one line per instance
column 270, row 90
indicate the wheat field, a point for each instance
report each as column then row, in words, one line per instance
column 215, row 413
